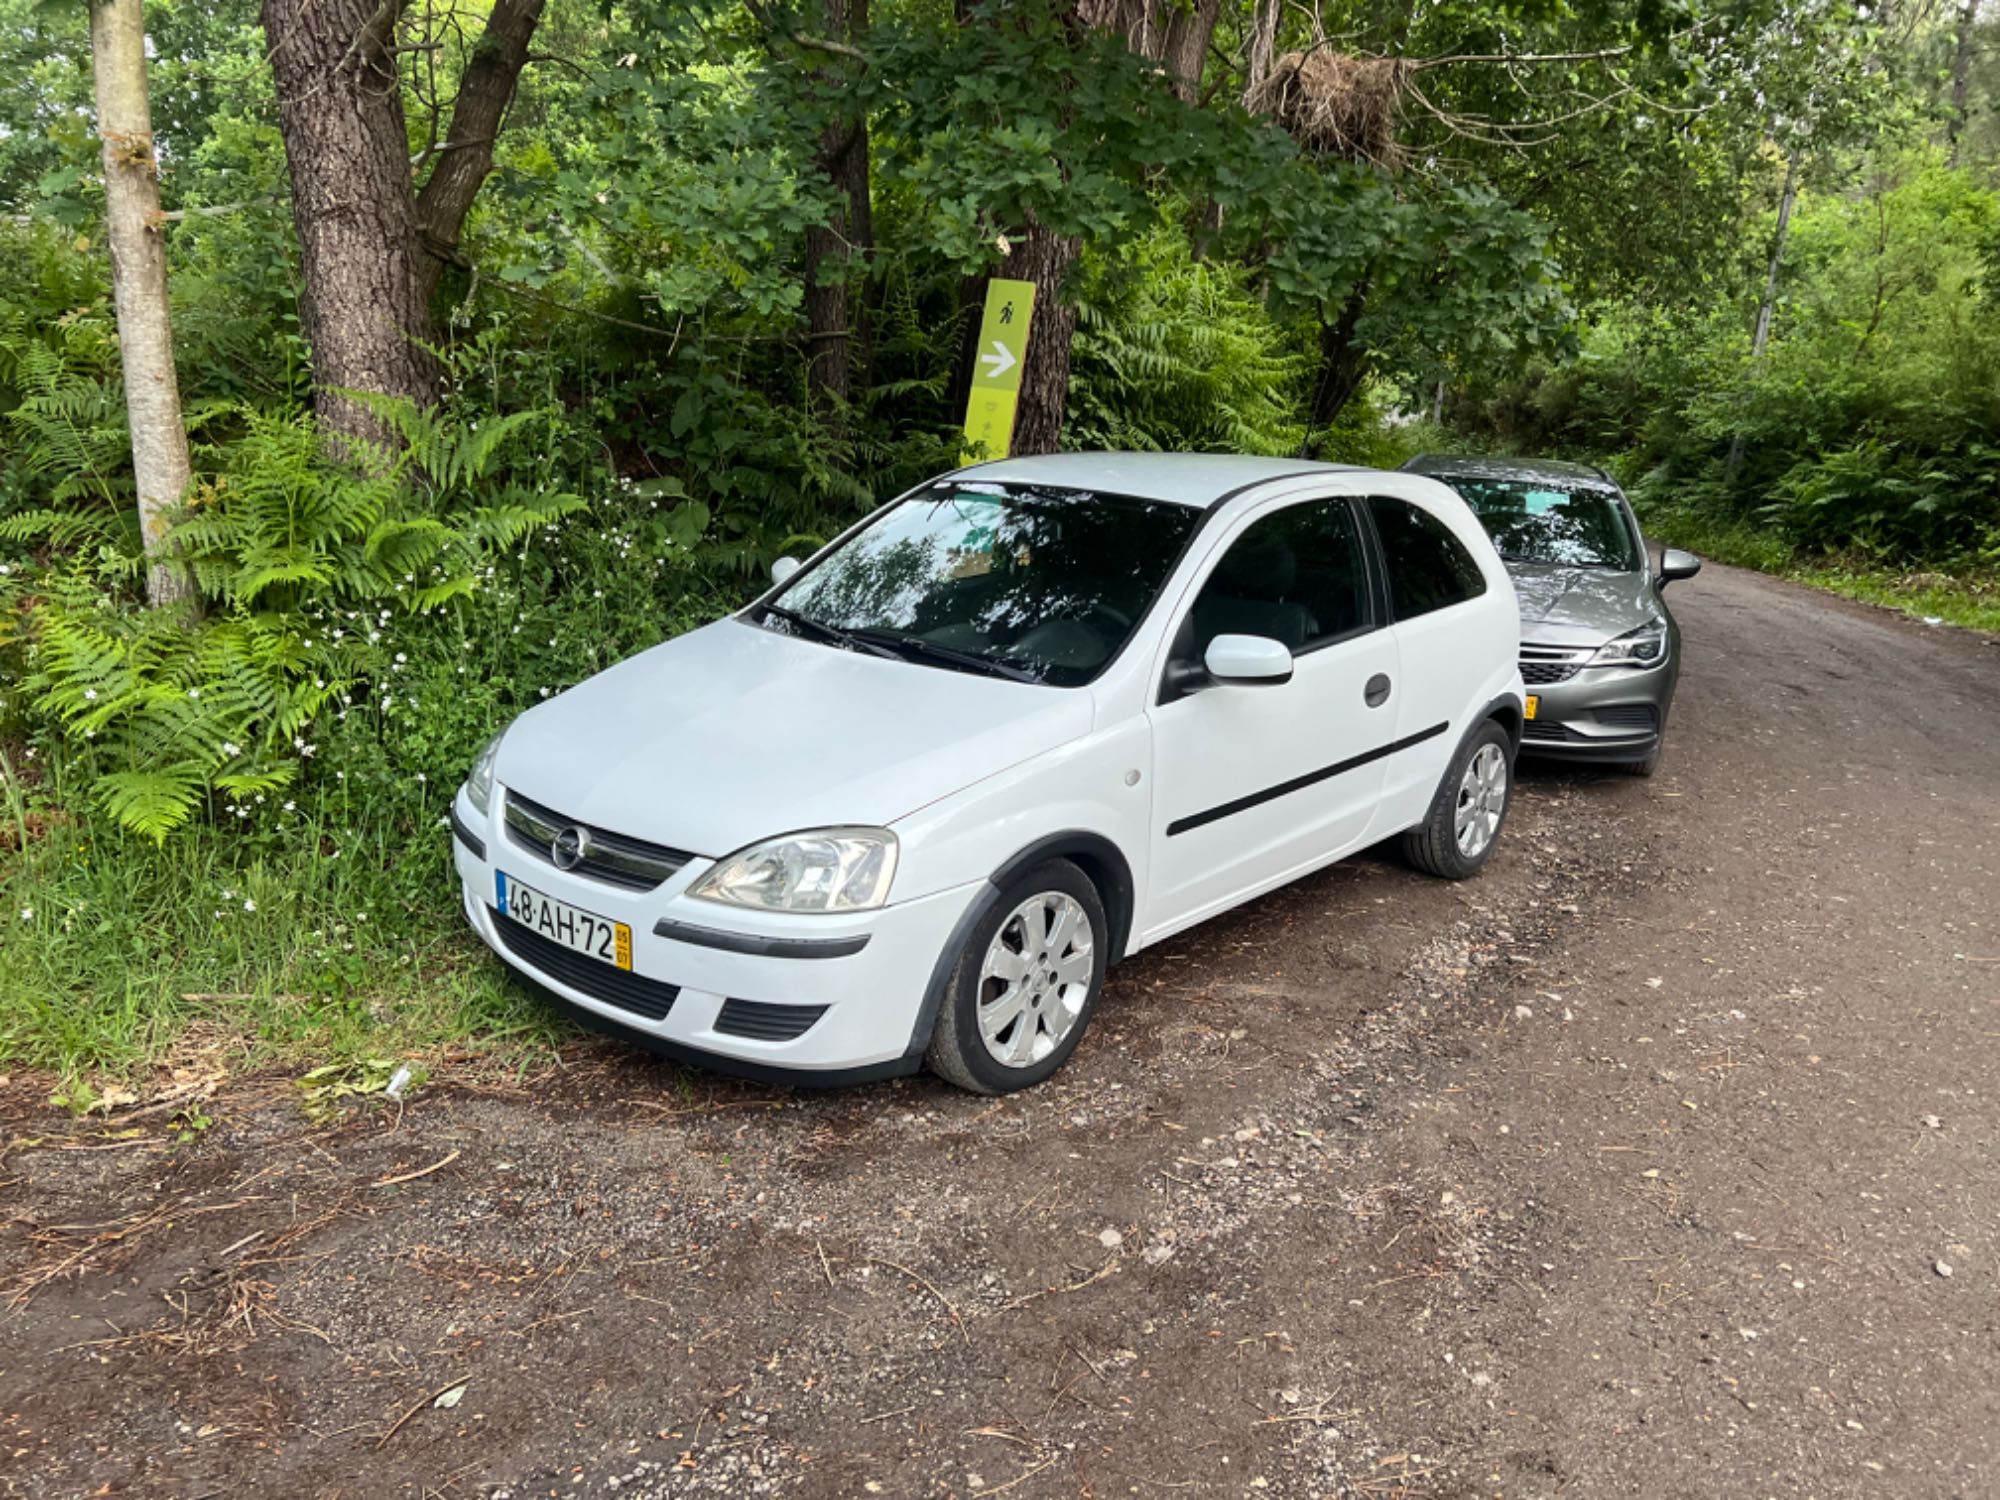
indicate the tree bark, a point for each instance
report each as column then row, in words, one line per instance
column 1343, row 365
column 485, row 91
column 1767, row 306
column 1044, row 257
column 340, row 110
column 1188, row 33
column 848, row 235
column 139, row 282
column 1263, row 43
column 1961, row 77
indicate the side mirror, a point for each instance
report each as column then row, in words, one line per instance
column 785, row 567
column 1675, row 563
column 1248, row 660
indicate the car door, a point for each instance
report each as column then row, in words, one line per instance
column 1255, row 783
column 1431, row 578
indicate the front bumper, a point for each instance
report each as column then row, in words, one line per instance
column 1601, row 714
column 856, row 983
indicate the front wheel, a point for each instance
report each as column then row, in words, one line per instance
column 1463, row 824
column 1026, row 983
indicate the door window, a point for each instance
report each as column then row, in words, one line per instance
column 1429, row 567
column 1295, row 576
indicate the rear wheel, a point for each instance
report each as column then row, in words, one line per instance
column 1458, row 834
column 1026, row 984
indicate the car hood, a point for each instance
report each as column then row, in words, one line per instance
column 1562, row 605
column 733, row 733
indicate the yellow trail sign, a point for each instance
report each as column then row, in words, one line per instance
column 996, row 372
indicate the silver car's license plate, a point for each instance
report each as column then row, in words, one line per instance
column 571, row 926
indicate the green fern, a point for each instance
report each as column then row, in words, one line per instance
column 281, row 536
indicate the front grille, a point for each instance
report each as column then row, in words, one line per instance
column 767, row 1023
column 1542, row 666
column 634, row 992
column 1637, row 717
column 610, row 857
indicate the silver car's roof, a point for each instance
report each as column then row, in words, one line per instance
column 1484, row 466
column 1198, row 479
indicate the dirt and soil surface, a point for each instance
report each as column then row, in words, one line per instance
column 1662, row 1160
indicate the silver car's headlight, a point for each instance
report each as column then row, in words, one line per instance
column 1644, row 647
column 479, row 784
column 829, row 869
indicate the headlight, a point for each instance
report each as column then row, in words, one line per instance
column 479, row 785
column 830, row 869
column 1644, row 647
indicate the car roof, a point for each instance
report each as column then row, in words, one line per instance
column 1198, row 479
column 1483, row 466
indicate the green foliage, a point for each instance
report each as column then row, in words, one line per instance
column 303, row 558
column 1175, row 354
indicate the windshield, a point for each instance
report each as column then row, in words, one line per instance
column 1039, row 584
column 1536, row 521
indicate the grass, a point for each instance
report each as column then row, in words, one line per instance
column 309, row 944
column 1967, row 597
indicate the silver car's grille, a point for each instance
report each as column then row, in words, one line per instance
column 1543, row 665
column 601, row 854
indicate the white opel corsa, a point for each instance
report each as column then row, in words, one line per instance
column 1023, row 721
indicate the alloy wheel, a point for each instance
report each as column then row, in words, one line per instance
column 1482, row 798
column 1035, row 979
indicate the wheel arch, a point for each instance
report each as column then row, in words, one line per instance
column 1101, row 861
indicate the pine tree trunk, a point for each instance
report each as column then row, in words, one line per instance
column 1044, row 257
column 340, row 109
column 833, row 248
column 139, row 282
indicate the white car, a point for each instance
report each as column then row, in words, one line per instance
column 1019, row 723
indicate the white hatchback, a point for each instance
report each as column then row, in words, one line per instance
column 1023, row 721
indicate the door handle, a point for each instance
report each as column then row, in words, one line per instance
column 1377, row 692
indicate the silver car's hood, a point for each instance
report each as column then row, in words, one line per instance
column 1566, row 605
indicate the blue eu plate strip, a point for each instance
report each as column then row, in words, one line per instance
column 500, row 886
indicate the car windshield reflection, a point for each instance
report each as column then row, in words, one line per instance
column 1535, row 521
column 1043, row 585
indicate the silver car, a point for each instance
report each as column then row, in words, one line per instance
column 1600, row 652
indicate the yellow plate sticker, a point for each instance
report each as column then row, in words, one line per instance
column 1534, row 702
column 622, row 946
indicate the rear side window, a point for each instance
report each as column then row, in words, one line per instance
column 1296, row 576
column 1429, row 567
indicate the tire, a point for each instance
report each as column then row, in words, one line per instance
column 1435, row 845
column 1055, row 991
column 1646, row 766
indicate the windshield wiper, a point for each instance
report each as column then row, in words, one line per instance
column 832, row 634
column 916, row 645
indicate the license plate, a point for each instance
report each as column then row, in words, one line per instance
column 559, row 922
column 1534, row 702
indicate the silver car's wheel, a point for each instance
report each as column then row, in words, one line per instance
column 1036, row 976
column 1482, row 800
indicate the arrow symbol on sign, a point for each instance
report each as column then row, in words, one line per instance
column 1002, row 359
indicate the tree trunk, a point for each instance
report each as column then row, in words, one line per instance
column 1343, row 365
column 1044, row 257
column 340, row 110
column 1961, row 77
column 833, row 247
column 484, row 92
column 139, row 282
column 1263, row 43
column 1760, row 337
column 1188, row 33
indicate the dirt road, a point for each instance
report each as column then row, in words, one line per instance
column 1664, row 1160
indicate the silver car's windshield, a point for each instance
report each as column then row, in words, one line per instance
column 1533, row 520
column 1039, row 584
